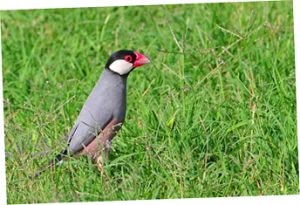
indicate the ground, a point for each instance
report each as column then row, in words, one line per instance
column 214, row 114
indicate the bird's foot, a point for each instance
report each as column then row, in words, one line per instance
column 99, row 161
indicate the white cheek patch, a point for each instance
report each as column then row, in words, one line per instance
column 121, row 66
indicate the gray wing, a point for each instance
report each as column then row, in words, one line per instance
column 86, row 128
column 94, row 116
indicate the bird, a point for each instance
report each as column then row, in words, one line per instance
column 103, row 113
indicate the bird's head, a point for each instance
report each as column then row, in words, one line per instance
column 124, row 61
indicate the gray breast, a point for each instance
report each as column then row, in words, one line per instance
column 106, row 102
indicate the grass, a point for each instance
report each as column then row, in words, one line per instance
column 214, row 114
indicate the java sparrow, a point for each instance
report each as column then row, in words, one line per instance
column 104, row 110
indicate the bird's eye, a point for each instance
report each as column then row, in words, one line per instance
column 128, row 58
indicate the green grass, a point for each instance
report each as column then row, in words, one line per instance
column 214, row 114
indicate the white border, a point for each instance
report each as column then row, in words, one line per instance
column 275, row 200
column 296, row 8
column 40, row 4
column 2, row 150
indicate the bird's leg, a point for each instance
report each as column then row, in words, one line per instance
column 105, row 138
column 99, row 162
column 100, row 147
column 105, row 148
column 100, row 156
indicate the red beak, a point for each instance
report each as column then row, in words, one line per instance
column 140, row 60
